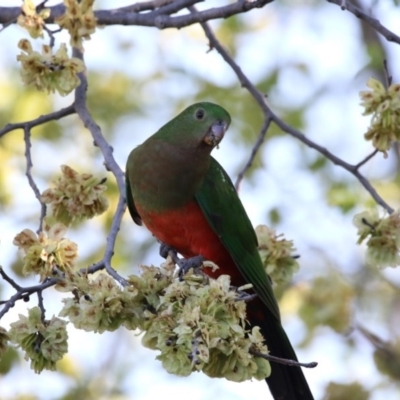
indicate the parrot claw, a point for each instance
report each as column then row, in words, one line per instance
column 186, row 264
column 165, row 249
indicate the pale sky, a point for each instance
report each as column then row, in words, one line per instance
column 325, row 39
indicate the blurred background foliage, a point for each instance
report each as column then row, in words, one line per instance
column 311, row 60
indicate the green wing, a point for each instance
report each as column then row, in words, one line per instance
column 130, row 203
column 226, row 215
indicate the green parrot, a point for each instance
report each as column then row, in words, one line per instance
column 186, row 199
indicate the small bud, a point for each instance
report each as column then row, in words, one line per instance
column 32, row 21
column 79, row 20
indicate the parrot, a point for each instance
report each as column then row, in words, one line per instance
column 185, row 198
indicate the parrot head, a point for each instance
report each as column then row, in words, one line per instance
column 200, row 125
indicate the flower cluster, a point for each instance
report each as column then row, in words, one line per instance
column 79, row 20
column 100, row 305
column 328, row 302
column 276, row 254
column 4, row 338
column 47, row 71
column 198, row 324
column 46, row 251
column 383, row 244
column 201, row 327
column 384, row 105
column 31, row 20
column 76, row 196
column 44, row 342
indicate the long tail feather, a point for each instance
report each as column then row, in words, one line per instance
column 285, row 382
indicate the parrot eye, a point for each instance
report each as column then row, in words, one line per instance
column 200, row 113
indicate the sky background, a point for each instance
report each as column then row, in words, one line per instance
column 285, row 36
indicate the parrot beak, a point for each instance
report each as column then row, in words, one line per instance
column 216, row 133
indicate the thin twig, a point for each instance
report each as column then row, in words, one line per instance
column 41, row 305
column 38, row 121
column 269, row 114
column 366, row 159
column 51, row 34
column 284, row 361
column 375, row 23
column 254, row 151
column 28, row 173
column 387, row 75
column 25, row 291
column 9, row 280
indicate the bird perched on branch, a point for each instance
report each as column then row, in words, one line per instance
column 187, row 200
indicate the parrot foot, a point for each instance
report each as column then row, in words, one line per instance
column 184, row 264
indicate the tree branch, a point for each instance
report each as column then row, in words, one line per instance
column 270, row 115
column 375, row 23
column 366, row 159
column 254, row 151
column 41, row 305
column 284, row 361
column 110, row 164
column 32, row 183
column 56, row 115
column 160, row 17
column 22, row 292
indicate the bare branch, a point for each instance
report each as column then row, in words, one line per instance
column 269, row 114
column 110, row 164
column 38, row 121
column 254, row 151
column 28, row 173
column 375, row 23
column 24, row 292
